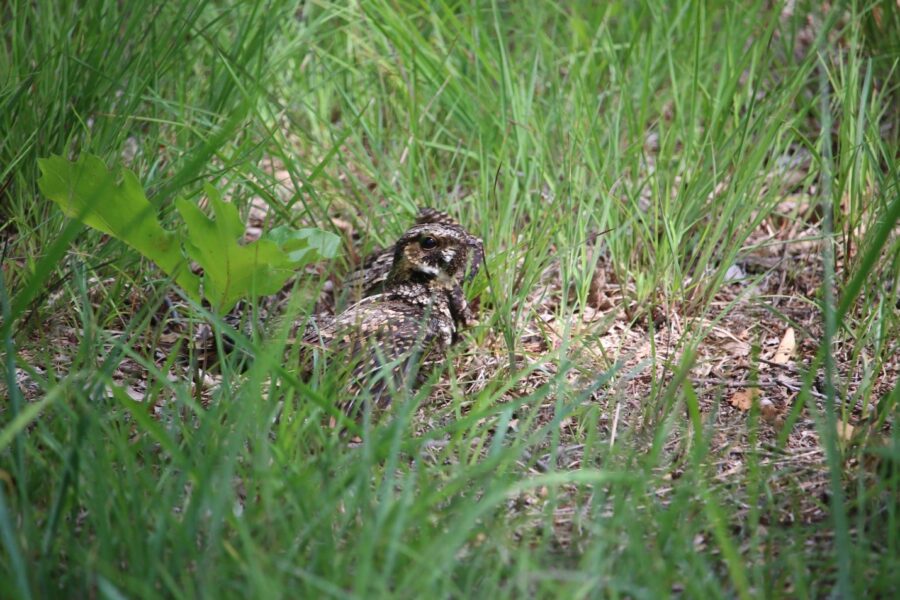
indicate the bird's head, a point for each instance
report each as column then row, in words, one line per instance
column 436, row 253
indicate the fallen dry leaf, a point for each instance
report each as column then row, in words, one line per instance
column 845, row 431
column 737, row 348
column 743, row 398
column 785, row 348
column 590, row 314
column 768, row 410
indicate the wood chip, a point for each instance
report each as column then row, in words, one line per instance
column 786, row 348
column 743, row 398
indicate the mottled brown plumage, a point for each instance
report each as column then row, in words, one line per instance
column 370, row 277
column 410, row 314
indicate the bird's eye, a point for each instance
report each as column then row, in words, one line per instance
column 428, row 243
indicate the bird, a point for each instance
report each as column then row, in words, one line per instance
column 410, row 313
column 370, row 277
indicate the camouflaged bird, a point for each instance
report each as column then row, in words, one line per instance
column 370, row 277
column 410, row 314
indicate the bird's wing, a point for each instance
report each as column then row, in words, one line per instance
column 381, row 343
column 369, row 278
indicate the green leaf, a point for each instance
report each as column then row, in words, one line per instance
column 115, row 203
column 304, row 246
column 231, row 271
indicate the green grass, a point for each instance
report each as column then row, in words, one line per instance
column 663, row 124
